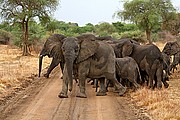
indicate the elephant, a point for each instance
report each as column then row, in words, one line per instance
column 166, row 66
column 52, row 49
column 90, row 59
column 148, row 58
column 127, row 68
column 172, row 48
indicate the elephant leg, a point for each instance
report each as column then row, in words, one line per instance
column 166, row 85
column 152, row 73
column 63, row 93
column 150, row 79
column 62, row 68
column 118, row 85
column 82, row 92
column 53, row 64
column 102, row 90
column 95, row 84
column 107, row 84
column 133, row 79
column 159, row 75
column 135, row 84
column 82, row 73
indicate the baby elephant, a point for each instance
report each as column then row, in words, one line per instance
column 127, row 68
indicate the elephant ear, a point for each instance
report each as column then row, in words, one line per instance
column 175, row 47
column 87, row 49
column 56, row 52
column 55, row 44
column 127, row 49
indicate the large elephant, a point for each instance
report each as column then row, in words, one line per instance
column 88, row 58
column 148, row 58
column 172, row 48
column 52, row 49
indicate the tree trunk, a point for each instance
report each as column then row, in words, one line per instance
column 25, row 40
column 148, row 35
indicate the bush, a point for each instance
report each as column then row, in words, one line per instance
column 5, row 37
column 139, row 36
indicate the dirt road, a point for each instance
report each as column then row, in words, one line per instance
column 40, row 102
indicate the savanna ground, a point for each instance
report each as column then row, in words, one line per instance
column 25, row 96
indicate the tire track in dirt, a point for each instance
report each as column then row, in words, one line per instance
column 44, row 104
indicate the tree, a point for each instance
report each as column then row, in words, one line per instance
column 122, row 27
column 103, row 29
column 87, row 28
column 147, row 14
column 173, row 24
column 52, row 25
column 23, row 11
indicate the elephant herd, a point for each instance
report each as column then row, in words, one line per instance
column 102, row 58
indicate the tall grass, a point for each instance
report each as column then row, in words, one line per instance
column 158, row 103
column 15, row 68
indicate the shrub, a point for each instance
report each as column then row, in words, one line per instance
column 5, row 37
column 139, row 36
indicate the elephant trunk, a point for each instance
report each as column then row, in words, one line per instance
column 40, row 64
column 69, row 66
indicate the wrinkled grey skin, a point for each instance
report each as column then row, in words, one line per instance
column 52, row 49
column 166, row 67
column 91, row 59
column 172, row 48
column 127, row 69
column 148, row 58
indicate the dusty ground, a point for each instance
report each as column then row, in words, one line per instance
column 25, row 96
column 40, row 102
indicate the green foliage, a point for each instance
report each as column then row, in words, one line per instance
column 23, row 11
column 122, row 27
column 87, row 28
column 173, row 24
column 147, row 14
column 27, row 9
column 137, row 35
column 116, row 35
column 37, row 32
column 104, row 29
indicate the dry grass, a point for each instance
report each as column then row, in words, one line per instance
column 15, row 68
column 158, row 103
column 161, row 104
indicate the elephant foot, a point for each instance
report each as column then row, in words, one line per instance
column 122, row 90
column 115, row 91
column 46, row 75
column 81, row 95
column 101, row 93
column 62, row 95
column 166, row 85
column 159, row 86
